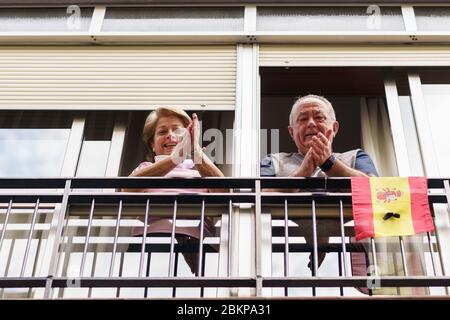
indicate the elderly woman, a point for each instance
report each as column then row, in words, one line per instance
column 172, row 139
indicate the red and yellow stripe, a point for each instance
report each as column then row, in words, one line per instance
column 373, row 198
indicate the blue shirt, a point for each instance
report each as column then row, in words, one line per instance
column 363, row 163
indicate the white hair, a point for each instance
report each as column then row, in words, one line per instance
column 325, row 101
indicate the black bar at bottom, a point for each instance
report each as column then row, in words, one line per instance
column 388, row 281
column 178, row 282
column 22, row 282
column 243, row 282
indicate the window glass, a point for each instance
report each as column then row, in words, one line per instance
column 67, row 19
column 173, row 19
column 96, row 143
column 32, row 152
column 412, row 141
column 93, row 158
column 437, row 100
column 432, row 18
column 372, row 18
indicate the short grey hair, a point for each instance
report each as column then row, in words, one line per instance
column 325, row 101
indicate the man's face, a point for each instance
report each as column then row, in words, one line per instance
column 310, row 117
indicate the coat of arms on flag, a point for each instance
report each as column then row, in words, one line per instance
column 384, row 207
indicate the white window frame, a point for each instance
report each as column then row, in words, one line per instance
column 431, row 168
column 398, row 134
column 371, row 57
column 70, row 165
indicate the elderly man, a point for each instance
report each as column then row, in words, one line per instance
column 313, row 126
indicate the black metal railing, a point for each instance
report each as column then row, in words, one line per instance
column 73, row 237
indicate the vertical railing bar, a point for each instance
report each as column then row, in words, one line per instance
column 200, row 244
column 202, row 289
column 30, row 235
column 433, row 262
column 94, row 263
column 147, row 271
column 344, row 245
column 430, row 246
column 8, row 263
column 36, row 260
column 394, row 260
column 33, row 269
column 5, row 224
column 116, row 235
column 144, row 239
column 341, row 289
column 172, row 239
column 122, row 258
column 258, row 238
column 403, row 253
column 65, row 249
column 143, row 248
column 315, row 251
column 374, row 253
column 88, row 234
column 230, row 221
column 58, row 241
column 447, row 192
column 441, row 260
column 436, row 233
column 174, row 289
column 286, row 244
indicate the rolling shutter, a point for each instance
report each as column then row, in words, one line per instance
column 329, row 55
column 121, row 78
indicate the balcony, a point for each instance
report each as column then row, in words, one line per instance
column 74, row 238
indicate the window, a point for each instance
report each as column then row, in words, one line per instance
column 45, row 19
column 358, row 97
column 216, row 138
column 96, row 144
column 329, row 19
column 348, row 94
column 436, row 93
column 32, row 144
column 432, row 18
column 182, row 19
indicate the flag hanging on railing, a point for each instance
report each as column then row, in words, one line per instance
column 384, row 207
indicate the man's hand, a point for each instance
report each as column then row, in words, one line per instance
column 308, row 166
column 321, row 147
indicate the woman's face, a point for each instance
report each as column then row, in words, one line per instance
column 168, row 131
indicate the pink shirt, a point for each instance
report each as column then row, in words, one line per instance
column 164, row 225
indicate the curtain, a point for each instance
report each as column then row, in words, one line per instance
column 378, row 143
column 376, row 136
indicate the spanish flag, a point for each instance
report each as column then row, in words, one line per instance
column 385, row 207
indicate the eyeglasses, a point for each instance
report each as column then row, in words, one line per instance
column 178, row 133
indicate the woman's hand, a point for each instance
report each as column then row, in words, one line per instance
column 196, row 149
column 183, row 147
